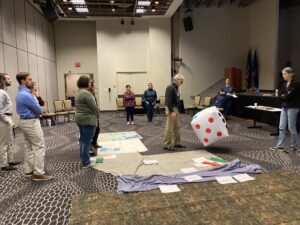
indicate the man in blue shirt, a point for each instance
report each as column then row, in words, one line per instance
column 150, row 98
column 29, row 110
column 227, row 92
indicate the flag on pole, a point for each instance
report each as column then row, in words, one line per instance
column 255, row 71
column 249, row 71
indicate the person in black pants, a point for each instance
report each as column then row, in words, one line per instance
column 94, row 144
column 129, row 100
column 150, row 98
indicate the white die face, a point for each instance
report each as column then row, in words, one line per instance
column 209, row 126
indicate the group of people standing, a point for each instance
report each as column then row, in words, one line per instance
column 149, row 97
column 28, row 106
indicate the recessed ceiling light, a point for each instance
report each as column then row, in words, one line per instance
column 156, row 3
column 78, row 1
column 65, row 0
column 153, row 10
column 113, row 9
column 144, row 3
column 112, row 1
column 70, row 8
column 82, row 10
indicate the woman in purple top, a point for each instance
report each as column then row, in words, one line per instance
column 129, row 100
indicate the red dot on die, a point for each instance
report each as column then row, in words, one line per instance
column 197, row 126
column 208, row 130
column 205, row 140
column 219, row 133
column 210, row 119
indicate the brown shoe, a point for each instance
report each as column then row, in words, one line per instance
column 42, row 177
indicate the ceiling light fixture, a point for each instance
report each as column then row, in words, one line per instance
column 82, row 10
column 140, row 10
column 65, row 0
column 144, row 3
column 156, row 3
column 78, row 1
column 153, row 10
column 112, row 1
column 70, row 8
column 113, row 9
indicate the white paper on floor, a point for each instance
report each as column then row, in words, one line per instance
column 226, row 180
column 192, row 178
column 188, row 170
column 169, row 188
column 150, row 161
column 243, row 177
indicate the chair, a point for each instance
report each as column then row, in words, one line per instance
column 196, row 105
column 69, row 109
column 138, row 103
column 162, row 104
column 206, row 104
column 59, row 110
column 46, row 114
column 120, row 106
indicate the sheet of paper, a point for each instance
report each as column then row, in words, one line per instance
column 188, row 170
column 169, row 188
column 192, row 178
column 201, row 165
column 150, row 161
column 235, row 96
column 243, row 177
column 226, row 180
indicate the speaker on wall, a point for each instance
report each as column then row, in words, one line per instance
column 188, row 24
column 48, row 8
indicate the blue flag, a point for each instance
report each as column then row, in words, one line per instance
column 255, row 70
column 249, row 71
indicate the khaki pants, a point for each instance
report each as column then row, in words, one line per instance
column 34, row 146
column 172, row 129
column 6, row 154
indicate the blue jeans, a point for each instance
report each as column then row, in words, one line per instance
column 86, row 135
column 150, row 108
column 129, row 114
column 227, row 102
column 288, row 118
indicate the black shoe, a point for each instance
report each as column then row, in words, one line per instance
column 8, row 168
column 168, row 148
column 180, row 146
column 275, row 148
column 14, row 163
column 96, row 146
column 290, row 150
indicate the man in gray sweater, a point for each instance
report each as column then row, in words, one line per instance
column 172, row 97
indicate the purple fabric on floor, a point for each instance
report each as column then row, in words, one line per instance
column 135, row 183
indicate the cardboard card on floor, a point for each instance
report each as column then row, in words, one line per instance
column 226, row 180
column 243, row 177
column 188, row 170
column 109, row 156
column 169, row 188
column 150, row 161
column 192, row 178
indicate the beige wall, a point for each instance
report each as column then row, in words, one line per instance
column 263, row 21
column 75, row 42
column 220, row 39
column 27, row 45
column 140, row 50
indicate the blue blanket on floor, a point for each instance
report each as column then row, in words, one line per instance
column 135, row 183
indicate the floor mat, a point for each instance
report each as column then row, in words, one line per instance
column 273, row 198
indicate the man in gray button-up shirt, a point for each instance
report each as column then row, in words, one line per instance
column 6, row 125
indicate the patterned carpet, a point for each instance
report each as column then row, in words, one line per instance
column 23, row 201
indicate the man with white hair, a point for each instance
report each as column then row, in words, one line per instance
column 172, row 98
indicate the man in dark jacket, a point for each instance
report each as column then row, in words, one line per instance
column 290, row 97
column 172, row 97
column 150, row 98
